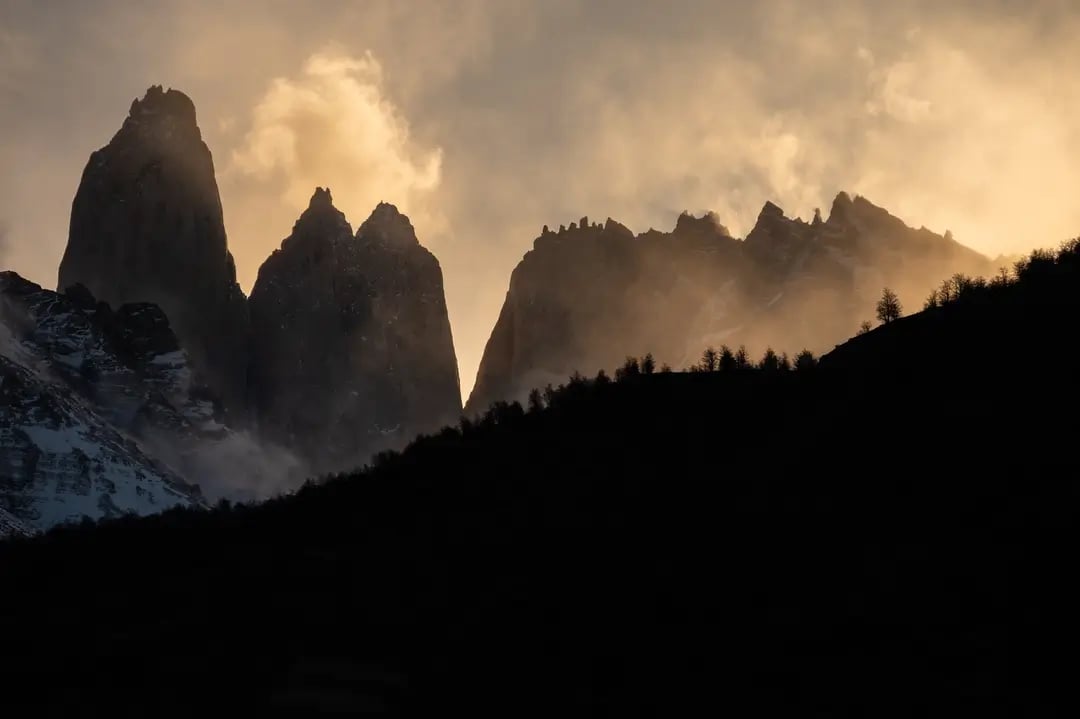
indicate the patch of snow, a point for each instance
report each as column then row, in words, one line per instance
column 172, row 359
column 63, row 440
column 73, row 360
column 11, row 526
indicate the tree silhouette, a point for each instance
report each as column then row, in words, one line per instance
column 1002, row 278
column 536, row 401
column 888, row 307
column 727, row 359
column 769, row 361
column 648, row 364
column 742, row 358
column 865, row 327
column 709, row 360
column 933, row 300
column 805, row 360
column 630, row 368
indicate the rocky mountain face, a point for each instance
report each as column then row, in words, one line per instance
column 146, row 226
column 85, row 393
column 351, row 338
column 101, row 414
column 10, row 526
column 587, row 296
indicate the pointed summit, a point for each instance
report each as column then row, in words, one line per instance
column 321, row 198
column 847, row 209
column 841, row 207
column 163, row 121
column 157, row 102
column 320, row 224
column 708, row 223
column 389, row 227
column 770, row 210
column 769, row 222
column 147, row 226
column 614, row 228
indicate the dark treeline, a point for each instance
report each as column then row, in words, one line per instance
column 879, row 532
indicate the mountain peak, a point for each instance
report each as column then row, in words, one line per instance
column 612, row 227
column 387, row 226
column 841, row 206
column 770, row 210
column 321, row 199
column 708, row 222
column 321, row 220
column 158, row 102
column 146, row 225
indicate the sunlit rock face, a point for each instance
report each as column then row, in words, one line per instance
column 146, row 226
column 587, row 296
column 352, row 344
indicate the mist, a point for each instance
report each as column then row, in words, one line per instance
column 486, row 120
column 237, row 466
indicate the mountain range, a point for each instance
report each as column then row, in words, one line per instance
column 149, row 380
column 588, row 295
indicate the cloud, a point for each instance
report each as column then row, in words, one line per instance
column 16, row 58
column 332, row 125
column 237, row 466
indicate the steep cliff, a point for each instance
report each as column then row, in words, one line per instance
column 351, row 338
column 146, row 226
column 585, row 297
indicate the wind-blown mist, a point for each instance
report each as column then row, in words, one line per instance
column 485, row 120
column 236, row 466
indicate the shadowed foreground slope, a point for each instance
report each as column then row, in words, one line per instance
column 880, row 535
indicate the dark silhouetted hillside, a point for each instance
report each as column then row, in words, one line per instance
column 886, row 532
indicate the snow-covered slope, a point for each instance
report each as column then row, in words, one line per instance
column 97, row 412
column 10, row 526
column 60, row 460
column 118, row 380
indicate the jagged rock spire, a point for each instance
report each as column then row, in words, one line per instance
column 321, row 199
column 147, row 226
column 351, row 338
column 389, row 227
column 157, row 103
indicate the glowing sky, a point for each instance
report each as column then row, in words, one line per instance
column 485, row 120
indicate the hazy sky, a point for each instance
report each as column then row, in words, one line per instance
column 484, row 120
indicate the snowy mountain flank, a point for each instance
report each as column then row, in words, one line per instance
column 79, row 384
column 100, row 415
